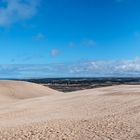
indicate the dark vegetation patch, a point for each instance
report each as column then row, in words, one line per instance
column 74, row 84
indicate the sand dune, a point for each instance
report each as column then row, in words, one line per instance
column 110, row 113
column 11, row 91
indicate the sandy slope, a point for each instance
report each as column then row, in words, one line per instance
column 11, row 91
column 111, row 113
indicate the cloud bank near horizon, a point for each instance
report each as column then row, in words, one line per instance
column 121, row 68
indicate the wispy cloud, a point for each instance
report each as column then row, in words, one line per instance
column 137, row 34
column 39, row 37
column 119, row 68
column 72, row 45
column 14, row 11
column 119, row 1
column 88, row 42
column 84, row 42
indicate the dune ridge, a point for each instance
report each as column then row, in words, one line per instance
column 109, row 113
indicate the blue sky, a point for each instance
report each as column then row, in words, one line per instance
column 80, row 38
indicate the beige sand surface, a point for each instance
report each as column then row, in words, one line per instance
column 11, row 91
column 110, row 113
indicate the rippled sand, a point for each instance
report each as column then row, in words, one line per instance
column 33, row 112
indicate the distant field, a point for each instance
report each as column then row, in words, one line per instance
column 74, row 84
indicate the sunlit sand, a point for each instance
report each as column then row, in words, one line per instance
column 33, row 112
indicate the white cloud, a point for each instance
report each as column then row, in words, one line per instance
column 121, row 68
column 14, row 11
column 55, row 52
